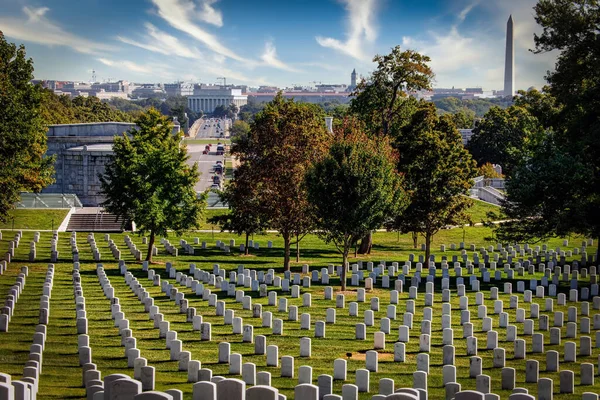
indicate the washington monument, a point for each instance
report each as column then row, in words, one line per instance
column 509, row 63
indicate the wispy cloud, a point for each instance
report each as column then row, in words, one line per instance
column 179, row 14
column 269, row 58
column 126, row 65
column 209, row 14
column 462, row 15
column 361, row 30
column 476, row 57
column 163, row 43
column 36, row 27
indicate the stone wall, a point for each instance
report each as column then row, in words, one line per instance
column 77, row 172
column 82, row 151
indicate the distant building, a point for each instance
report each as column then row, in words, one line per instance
column 179, row 89
column 147, row 90
column 304, row 96
column 332, row 88
column 466, row 135
column 206, row 98
column 509, row 61
column 352, row 81
column 119, row 86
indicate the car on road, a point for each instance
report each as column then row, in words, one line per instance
column 215, row 186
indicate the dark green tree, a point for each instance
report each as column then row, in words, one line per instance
column 464, row 119
column 149, row 181
column 354, row 189
column 244, row 217
column 502, row 135
column 23, row 166
column 382, row 101
column 438, row 173
column 556, row 189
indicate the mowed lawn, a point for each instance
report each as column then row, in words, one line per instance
column 28, row 218
column 61, row 377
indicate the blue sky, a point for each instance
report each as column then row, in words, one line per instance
column 261, row 42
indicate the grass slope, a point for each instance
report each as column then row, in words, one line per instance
column 29, row 218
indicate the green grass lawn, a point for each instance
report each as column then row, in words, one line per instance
column 61, row 377
column 31, row 218
column 478, row 212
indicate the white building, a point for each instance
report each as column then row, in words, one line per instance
column 206, row 99
column 466, row 135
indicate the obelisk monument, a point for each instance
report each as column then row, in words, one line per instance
column 509, row 62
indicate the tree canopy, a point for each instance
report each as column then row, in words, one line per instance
column 244, row 216
column 285, row 138
column 62, row 109
column 555, row 189
column 148, row 180
column 438, row 173
column 354, row 189
column 502, row 135
column 23, row 166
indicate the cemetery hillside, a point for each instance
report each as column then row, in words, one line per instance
column 376, row 250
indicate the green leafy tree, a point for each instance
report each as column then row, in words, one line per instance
column 244, row 217
column 23, row 166
column 149, row 181
column 239, row 130
column 464, row 119
column 354, row 189
column 438, row 173
column 382, row 101
column 285, row 138
column 502, row 135
column 556, row 189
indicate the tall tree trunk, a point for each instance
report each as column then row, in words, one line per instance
column 427, row 249
column 246, row 246
column 286, row 251
column 415, row 238
column 297, row 249
column 344, row 262
column 150, row 245
column 365, row 244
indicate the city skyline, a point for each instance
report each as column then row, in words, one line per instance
column 273, row 43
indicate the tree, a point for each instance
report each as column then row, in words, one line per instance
column 354, row 189
column 239, row 130
column 148, row 181
column 501, row 136
column 244, row 209
column 488, row 171
column 464, row 119
column 23, row 166
column 285, row 138
column 382, row 102
column 438, row 173
column 556, row 189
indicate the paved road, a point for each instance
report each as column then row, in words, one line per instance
column 213, row 128
column 205, row 164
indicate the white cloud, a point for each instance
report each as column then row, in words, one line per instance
column 127, row 66
column 178, row 12
column 465, row 11
column 163, row 43
column 270, row 59
column 475, row 57
column 209, row 14
column 37, row 28
column 361, row 30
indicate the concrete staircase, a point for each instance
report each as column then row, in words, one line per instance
column 95, row 220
